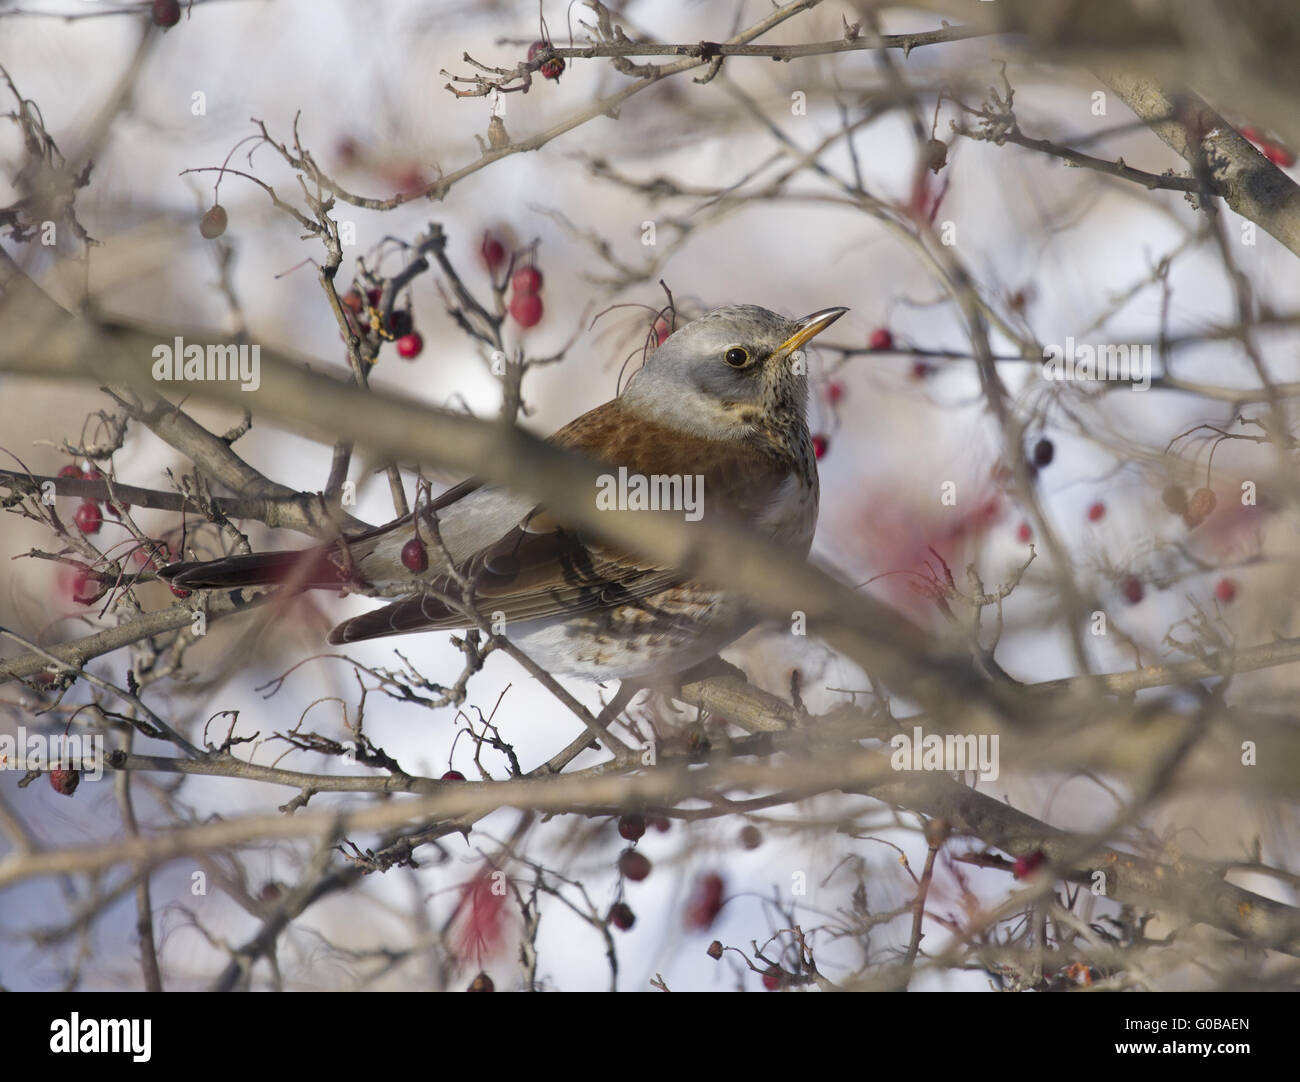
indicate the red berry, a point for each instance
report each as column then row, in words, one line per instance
column 65, row 781
column 706, row 902
column 631, row 827
column 1096, row 512
column 165, row 13
column 179, row 591
column 751, row 837
column 1044, row 452
column 453, row 775
column 820, row 446
column 271, row 892
column 86, row 587
column 550, row 69
column 661, row 823
column 921, row 370
column 1024, row 532
column 1132, row 589
column 71, row 471
column 633, row 865
column 621, row 916
column 834, row 392
column 527, row 280
column 881, row 338
column 662, row 330
column 214, row 222
column 1025, row 865
column 1226, row 591
column 415, row 557
column 481, row 983
column 88, row 517
column 491, row 251
column 773, row 978
column 409, row 346
column 374, row 296
column 526, row 308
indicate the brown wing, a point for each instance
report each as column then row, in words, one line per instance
column 540, row 568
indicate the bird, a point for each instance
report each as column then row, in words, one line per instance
column 719, row 409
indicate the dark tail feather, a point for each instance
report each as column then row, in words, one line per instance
column 312, row 569
column 420, row 613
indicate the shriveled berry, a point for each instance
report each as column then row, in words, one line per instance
column 631, row 827
column 921, row 371
column 751, row 837
column 400, row 323
column 715, row 950
column 1200, row 507
column 165, row 13
column 526, row 309
column 621, row 916
column 453, row 775
column 410, row 346
column 527, row 280
column 214, row 222
column 88, row 517
column 481, row 983
column 415, row 557
column 633, row 865
column 1044, row 452
column 65, row 781
column 881, row 338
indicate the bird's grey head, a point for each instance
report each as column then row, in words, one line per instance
column 729, row 372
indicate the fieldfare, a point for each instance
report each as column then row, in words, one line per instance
column 714, row 421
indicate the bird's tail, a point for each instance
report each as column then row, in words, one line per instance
column 319, row 568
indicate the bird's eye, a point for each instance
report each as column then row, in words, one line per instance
column 736, row 357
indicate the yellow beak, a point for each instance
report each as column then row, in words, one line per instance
column 810, row 327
